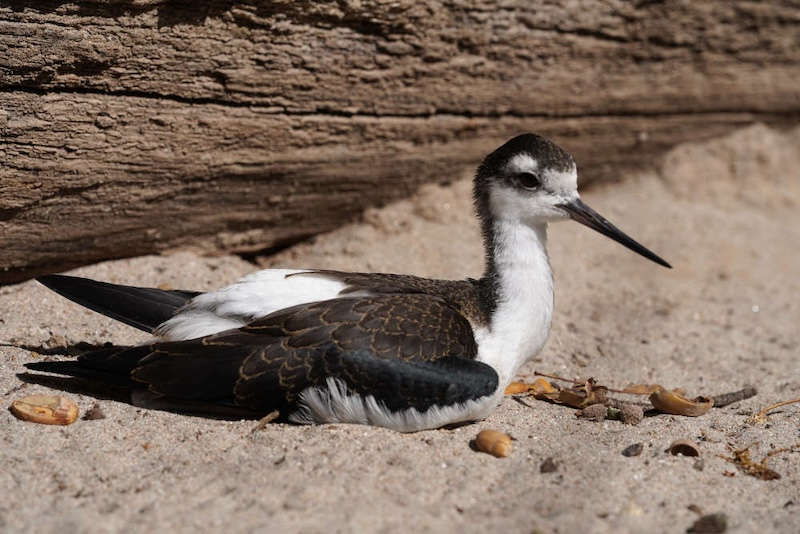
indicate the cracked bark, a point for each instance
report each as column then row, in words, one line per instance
column 134, row 126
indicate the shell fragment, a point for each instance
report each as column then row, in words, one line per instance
column 45, row 409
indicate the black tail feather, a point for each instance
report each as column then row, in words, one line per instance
column 114, row 361
column 141, row 307
column 93, row 386
column 74, row 368
column 118, row 359
column 83, row 381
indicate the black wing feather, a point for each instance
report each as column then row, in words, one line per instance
column 401, row 384
column 141, row 307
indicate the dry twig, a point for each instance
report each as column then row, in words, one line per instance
column 734, row 396
column 264, row 421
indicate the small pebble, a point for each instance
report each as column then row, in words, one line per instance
column 633, row 450
column 94, row 413
column 548, row 466
column 709, row 524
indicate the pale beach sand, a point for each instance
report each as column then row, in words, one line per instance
column 724, row 213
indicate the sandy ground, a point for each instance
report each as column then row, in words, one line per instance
column 724, row 213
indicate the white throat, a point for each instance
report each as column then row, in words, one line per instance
column 521, row 320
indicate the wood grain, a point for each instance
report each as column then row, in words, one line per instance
column 129, row 127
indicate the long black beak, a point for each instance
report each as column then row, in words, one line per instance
column 583, row 214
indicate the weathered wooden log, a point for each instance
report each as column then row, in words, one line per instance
column 133, row 126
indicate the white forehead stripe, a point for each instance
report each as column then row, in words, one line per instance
column 521, row 163
column 564, row 181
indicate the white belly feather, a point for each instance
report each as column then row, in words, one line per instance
column 334, row 403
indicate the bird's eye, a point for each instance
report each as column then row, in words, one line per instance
column 528, row 180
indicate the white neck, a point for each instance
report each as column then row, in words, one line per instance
column 521, row 319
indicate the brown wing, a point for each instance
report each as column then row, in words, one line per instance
column 408, row 328
column 267, row 363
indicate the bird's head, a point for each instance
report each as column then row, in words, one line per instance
column 530, row 180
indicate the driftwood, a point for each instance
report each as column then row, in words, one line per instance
column 128, row 127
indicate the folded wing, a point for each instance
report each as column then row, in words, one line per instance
column 406, row 351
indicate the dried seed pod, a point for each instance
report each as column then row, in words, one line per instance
column 515, row 388
column 683, row 447
column 593, row 412
column 673, row 403
column 493, row 442
column 571, row 397
column 641, row 389
column 540, row 386
column 631, row 414
column 45, row 409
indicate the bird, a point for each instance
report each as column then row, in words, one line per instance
column 322, row 346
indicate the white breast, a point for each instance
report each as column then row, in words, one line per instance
column 254, row 296
column 521, row 321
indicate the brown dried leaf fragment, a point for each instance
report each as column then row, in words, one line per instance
column 45, row 409
column 683, row 447
column 676, row 404
column 741, row 459
column 493, row 442
column 571, row 397
column 579, row 396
